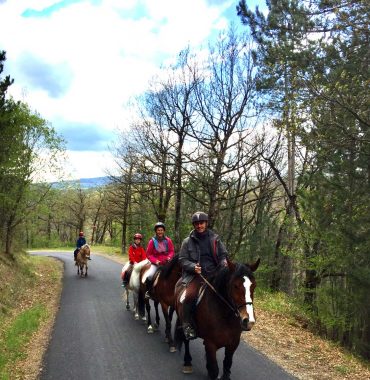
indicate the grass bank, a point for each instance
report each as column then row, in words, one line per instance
column 28, row 289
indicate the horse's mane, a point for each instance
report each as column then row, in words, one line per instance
column 167, row 269
column 225, row 274
column 85, row 248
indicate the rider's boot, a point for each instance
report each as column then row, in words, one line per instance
column 149, row 287
column 189, row 331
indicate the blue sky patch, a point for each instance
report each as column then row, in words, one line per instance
column 54, row 79
column 83, row 136
column 46, row 12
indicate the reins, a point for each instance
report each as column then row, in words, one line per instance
column 234, row 309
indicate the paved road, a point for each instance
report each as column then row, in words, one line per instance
column 95, row 338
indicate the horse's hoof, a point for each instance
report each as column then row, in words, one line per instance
column 166, row 340
column 173, row 349
column 155, row 327
column 128, row 307
column 136, row 317
column 150, row 330
column 187, row 369
column 143, row 319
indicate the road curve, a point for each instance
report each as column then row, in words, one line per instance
column 95, row 338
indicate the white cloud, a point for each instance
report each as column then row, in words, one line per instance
column 109, row 51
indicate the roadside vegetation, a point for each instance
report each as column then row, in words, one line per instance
column 29, row 303
column 29, row 295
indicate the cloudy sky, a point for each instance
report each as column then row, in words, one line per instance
column 78, row 62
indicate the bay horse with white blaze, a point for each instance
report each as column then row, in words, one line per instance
column 224, row 309
column 81, row 260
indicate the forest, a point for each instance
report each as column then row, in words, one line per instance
column 268, row 133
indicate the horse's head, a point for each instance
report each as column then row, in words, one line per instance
column 241, row 288
column 85, row 250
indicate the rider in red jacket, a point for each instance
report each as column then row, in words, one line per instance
column 136, row 253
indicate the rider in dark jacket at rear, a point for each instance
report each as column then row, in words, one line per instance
column 202, row 252
column 79, row 243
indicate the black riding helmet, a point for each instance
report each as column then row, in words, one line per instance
column 199, row 216
column 159, row 224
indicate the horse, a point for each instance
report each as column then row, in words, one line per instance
column 134, row 287
column 144, row 303
column 81, row 260
column 162, row 293
column 224, row 309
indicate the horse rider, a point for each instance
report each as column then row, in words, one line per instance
column 136, row 253
column 201, row 253
column 159, row 251
column 80, row 242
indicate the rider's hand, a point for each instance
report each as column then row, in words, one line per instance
column 198, row 269
column 158, row 262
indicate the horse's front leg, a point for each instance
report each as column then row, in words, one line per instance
column 86, row 270
column 228, row 361
column 136, row 305
column 168, row 338
column 147, row 307
column 156, row 303
column 187, row 367
column 212, row 366
column 127, row 299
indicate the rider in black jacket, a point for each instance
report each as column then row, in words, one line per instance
column 201, row 253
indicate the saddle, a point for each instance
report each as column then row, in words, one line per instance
column 182, row 292
column 155, row 275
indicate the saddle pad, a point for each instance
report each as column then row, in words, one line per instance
column 201, row 293
column 156, row 277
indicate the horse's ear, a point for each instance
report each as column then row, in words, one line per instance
column 255, row 265
column 230, row 264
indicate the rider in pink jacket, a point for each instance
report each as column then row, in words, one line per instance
column 159, row 251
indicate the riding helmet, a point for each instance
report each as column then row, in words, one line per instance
column 199, row 216
column 159, row 224
column 138, row 236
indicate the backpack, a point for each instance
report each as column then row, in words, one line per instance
column 155, row 242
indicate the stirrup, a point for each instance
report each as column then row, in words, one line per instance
column 189, row 332
column 147, row 295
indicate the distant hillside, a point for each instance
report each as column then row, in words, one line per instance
column 84, row 183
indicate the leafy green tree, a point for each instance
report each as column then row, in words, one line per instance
column 331, row 66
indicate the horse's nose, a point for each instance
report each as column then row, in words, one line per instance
column 250, row 325
column 247, row 324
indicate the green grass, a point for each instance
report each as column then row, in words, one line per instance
column 17, row 335
column 281, row 303
column 20, row 277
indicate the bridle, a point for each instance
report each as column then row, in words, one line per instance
column 233, row 308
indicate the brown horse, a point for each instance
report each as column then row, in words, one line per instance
column 224, row 309
column 81, row 260
column 163, row 293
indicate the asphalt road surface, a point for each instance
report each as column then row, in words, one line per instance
column 95, row 338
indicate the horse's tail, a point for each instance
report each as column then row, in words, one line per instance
column 179, row 336
column 141, row 303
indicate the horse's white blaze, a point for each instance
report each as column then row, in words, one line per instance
column 248, row 298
